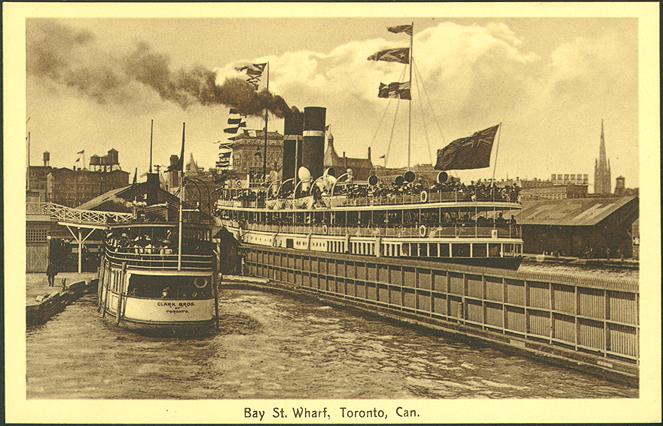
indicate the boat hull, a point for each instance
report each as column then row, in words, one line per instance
column 181, row 329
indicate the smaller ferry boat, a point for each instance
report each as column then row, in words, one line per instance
column 158, row 272
column 153, row 281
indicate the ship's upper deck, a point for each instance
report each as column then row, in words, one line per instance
column 154, row 246
column 162, row 259
column 342, row 203
column 363, row 197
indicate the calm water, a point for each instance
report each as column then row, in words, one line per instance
column 271, row 346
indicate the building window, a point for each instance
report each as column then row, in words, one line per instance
column 460, row 250
column 36, row 235
column 479, row 250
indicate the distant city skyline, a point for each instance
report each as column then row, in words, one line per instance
column 549, row 81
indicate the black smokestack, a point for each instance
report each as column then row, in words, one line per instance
column 153, row 186
column 69, row 57
column 293, row 127
column 313, row 145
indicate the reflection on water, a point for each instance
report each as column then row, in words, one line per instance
column 271, row 346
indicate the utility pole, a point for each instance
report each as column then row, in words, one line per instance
column 409, row 117
column 264, row 151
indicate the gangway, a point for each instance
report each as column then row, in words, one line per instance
column 77, row 220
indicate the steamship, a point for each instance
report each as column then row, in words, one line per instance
column 326, row 210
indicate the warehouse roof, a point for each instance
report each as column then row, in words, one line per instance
column 573, row 211
column 120, row 199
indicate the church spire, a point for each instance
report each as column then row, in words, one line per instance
column 603, row 162
column 602, row 182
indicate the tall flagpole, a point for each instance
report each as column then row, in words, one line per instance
column 497, row 151
column 28, row 174
column 151, row 136
column 264, row 151
column 179, row 236
column 409, row 115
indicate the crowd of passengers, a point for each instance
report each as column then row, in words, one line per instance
column 145, row 244
column 464, row 220
column 481, row 190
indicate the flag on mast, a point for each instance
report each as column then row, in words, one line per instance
column 400, row 54
column 395, row 90
column 472, row 152
column 407, row 29
column 252, row 69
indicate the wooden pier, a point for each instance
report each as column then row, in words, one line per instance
column 590, row 324
column 46, row 305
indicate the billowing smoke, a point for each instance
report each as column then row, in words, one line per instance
column 69, row 57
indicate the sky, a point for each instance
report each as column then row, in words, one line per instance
column 549, row 81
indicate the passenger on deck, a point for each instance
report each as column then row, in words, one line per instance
column 124, row 241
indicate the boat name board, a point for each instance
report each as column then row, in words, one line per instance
column 151, row 310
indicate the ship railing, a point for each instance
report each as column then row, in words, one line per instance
column 452, row 231
column 158, row 261
column 348, row 200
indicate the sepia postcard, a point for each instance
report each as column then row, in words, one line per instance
column 332, row 212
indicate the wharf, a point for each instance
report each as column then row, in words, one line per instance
column 586, row 322
column 43, row 302
column 577, row 261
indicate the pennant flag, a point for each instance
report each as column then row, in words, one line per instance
column 395, row 90
column 472, row 152
column 234, row 120
column 401, row 55
column 232, row 130
column 78, row 159
column 179, row 166
column 225, row 155
column 383, row 156
column 81, row 152
column 407, row 29
column 252, row 69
